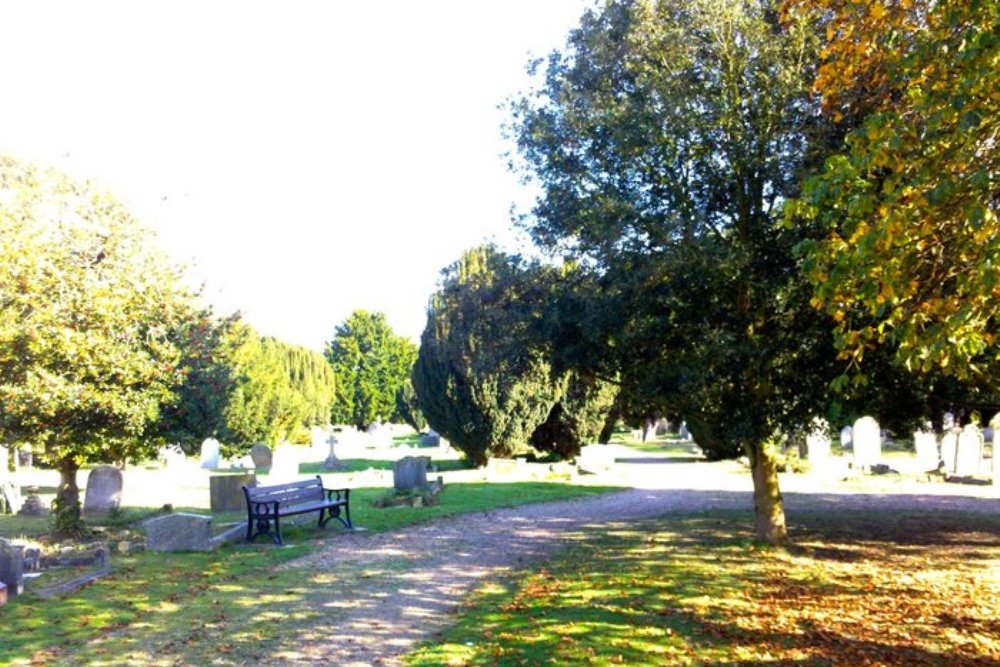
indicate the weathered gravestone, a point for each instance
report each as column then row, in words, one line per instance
column 409, row 473
column 995, row 425
column 818, row 440
column 969, row 456
column 847, row 437
column 210, row 454
column 226, row 491
column 867, row 442
column 949, row 448
column 430, row 439
column 12, row 567
column 179, row 532
column 104, row 490
column 262, row 456
column 926, row 445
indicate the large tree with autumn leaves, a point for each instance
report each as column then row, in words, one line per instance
column 910, row 256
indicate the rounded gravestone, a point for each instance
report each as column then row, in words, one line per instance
column 410, row 472
column 867, row 442
column 104, row 490
column 262, row 456
column 210, row 453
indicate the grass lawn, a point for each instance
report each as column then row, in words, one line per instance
column 857, row 589
column 200, row 605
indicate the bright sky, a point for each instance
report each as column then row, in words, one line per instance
column 309, row 158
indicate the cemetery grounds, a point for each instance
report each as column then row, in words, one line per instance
column 882, row 570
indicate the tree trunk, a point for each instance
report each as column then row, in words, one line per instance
column 769, row 509
column 67, row 505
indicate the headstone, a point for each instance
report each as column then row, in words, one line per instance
column 32, row 505
column 595, row 459
column 995, row 425
column 410, row 472
column 226, row 491
column 10, row 496
column 210, row 453
column 988, row 434
column 926, row 445
column 867, row 442
column 684, row 432
column 262, row 456
column 947, row 422
column 969, row 456
column 818, row 440
column 12, row 567
column 104, row 490
column 24, row 457
column 949, row 448
column 847, row 437
column 430, row 439
column 179, row 532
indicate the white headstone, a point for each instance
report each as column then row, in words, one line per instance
column 926, row 445
column 969, row 456
column 684, row 432
column 210, row 453
column 867, row 442
column 818, row 440
column 949, row 448
column 847, row 437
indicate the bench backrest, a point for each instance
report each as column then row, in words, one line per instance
column 292, row 493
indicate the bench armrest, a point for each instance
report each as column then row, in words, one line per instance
column 263, row 507
column 338, row 494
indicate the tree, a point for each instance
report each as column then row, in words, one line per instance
column 408, row 406
column 664, row 141
column 207, row 381
column 480, row 377
column 910, row 257
column 577, row 417
column 87, row 311
column 370, row 363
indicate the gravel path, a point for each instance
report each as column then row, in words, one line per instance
column 392, row 590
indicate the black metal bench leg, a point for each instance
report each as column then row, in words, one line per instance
column 277, row 531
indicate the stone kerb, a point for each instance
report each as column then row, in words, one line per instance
column 104, row 490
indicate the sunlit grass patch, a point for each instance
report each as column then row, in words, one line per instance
column 855, row 590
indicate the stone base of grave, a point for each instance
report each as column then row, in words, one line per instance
column 419, row 497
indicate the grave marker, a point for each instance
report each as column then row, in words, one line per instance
column 104, row 490
column 867, row 442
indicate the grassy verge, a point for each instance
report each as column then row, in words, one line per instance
column 856, row 590
column 196, row 607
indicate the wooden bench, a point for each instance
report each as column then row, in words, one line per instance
column 267, row 504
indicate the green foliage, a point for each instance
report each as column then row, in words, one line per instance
column 209, row 380
column 481, row 379
column 909, row 256
column 578, row 416
column 370, row 364
column 87, row 311
column 663, row 140
column 408, row 406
